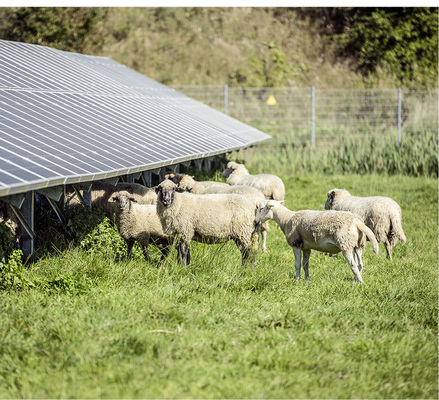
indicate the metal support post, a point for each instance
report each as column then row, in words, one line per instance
column 146, row 177
column 27, row 213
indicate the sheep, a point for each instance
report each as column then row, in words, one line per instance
column 139, row 222
column 252, row 194
column 8, row 217
column 101, row 193
column 189, row 184
column 381, row 214
column 209, row 218
column 326, row 231
column 270, row 185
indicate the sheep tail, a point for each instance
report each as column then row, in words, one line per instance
column 397, row 228
column 369, row 234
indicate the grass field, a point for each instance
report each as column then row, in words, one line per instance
column 214, row 329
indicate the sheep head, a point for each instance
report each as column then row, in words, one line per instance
column 264, row 212
column 174, row 177
column 334, row 194
column 123, row 199
column 166, row 192
column 231, row 166
column 186, row 183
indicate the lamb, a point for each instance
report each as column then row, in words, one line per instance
column 139, row 222
column 381, row 214
column 209, row 218
column 326, row 231
column 270, row 185
column 189, row 184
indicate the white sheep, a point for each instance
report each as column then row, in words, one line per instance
column 252, row 194
column 101, row 194
column 270, row 185
column 189, row 184
column 139, row 222
column 208, row 218
column 8, row 217
column 381, row 214
column 326, row 231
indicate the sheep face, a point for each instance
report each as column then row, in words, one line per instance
column 329, row 200
column 174, row 177
column 186, row 183
column 264, row 212
column 332, row 194
column 231, row 166
column 123, row 200
column 166, row 192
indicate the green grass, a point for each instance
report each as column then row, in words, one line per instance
column 107, row 328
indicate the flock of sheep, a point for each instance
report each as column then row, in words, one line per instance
column 180, row 210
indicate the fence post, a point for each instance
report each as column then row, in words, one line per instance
column 226, row 99
column 313, row 110
column 399, row 117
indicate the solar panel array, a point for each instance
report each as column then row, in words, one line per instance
column 68, row 118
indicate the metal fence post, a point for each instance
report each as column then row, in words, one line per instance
column 226, row 98
column 313, row 110
column 399, row 117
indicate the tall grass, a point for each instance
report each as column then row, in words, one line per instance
column 416, row 156
column 102, row 326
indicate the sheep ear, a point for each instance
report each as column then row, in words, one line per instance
column 333, row 193
column 114, row 198
column 133, row 199
column 272, row 203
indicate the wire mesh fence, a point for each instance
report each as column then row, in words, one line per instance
column 320, row 116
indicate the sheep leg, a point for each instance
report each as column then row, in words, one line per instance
column 165, row 251
column 248, row 250
column 264, row 240
column 130, row 244
column 244, row 252
column 145, row 251
column 350, row 258
column 305, row 263
column 184, row 256
column 388, row 249
column 357, row 253
column 297, row 261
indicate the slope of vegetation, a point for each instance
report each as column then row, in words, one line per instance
column 323, row 47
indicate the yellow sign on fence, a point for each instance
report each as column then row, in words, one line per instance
column 271, row 101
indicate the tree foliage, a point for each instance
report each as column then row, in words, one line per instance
column 65, row 28
column 403, row 40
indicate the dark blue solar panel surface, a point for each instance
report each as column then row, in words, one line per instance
column 67, row 117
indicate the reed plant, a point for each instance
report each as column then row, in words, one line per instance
column 417, row 155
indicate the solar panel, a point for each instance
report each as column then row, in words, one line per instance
column 69, row 117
